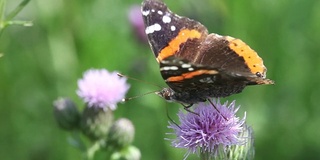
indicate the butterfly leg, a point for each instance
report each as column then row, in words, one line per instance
column 214, row 106
column 187, row 108
column 171, row 120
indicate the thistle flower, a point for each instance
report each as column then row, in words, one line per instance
column 136, row 21
column 208, row 130
column 101, row 88
column 96, row 122
column 121, row 134
column 66, row 113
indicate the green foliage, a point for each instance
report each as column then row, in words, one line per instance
column 43, row 62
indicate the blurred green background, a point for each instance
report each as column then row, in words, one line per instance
column 43, row 62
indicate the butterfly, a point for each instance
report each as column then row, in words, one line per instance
column 197, row 65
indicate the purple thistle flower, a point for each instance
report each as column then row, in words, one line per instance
column 101, row 88
column 136, row 21
column 209, row 130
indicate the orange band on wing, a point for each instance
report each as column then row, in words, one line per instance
column 252, row 59
column 191, row 75
column 174, row 45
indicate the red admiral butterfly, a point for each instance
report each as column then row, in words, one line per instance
column 197, row 65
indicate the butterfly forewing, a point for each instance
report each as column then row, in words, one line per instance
column 165, row 29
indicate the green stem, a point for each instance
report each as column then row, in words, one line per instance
column 17, row 10
column 5, row 21
column 92, row 150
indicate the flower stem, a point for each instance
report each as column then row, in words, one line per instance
column 92, row 150
column 6, row 20
column 17, row 10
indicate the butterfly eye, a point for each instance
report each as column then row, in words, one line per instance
column 259, row 74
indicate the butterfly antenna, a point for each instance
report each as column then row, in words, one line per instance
column 134, row 97
column 214, row 106
column 139, row 80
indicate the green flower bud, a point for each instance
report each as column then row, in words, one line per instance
column 127, row 153
column 121, row 134
column 66, row 113
column 96, row 122
column 242, row 151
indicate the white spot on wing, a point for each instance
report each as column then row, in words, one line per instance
column 190, row 69
column 186, row 65
column 145, row 13
column 153, row 28
column 160, row 12
column 167, row 68
column 173, row 28
column 166, row 19
column 152, row 10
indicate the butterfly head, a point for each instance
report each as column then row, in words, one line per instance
column 167, row 94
